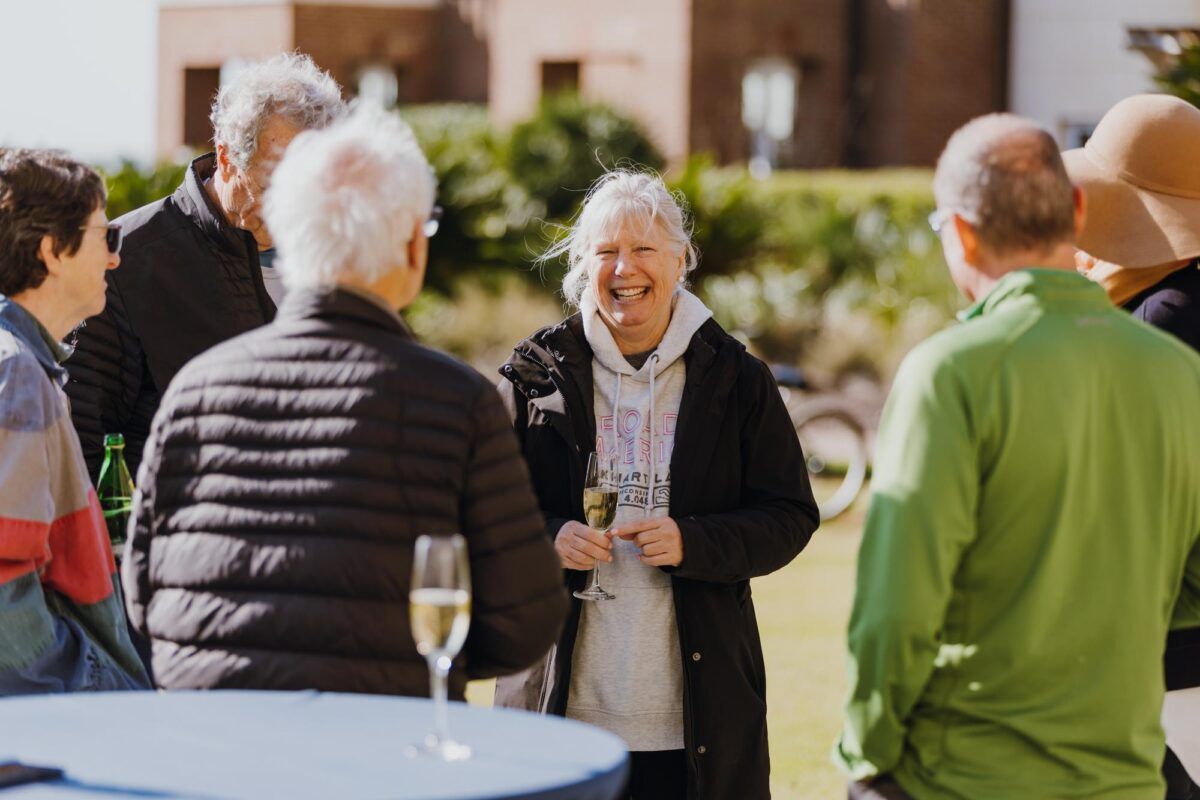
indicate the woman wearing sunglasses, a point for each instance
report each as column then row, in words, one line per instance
column 62, row 625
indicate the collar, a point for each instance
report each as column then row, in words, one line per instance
column 344, row 302
column 195, row 202
column 49, row 352
column 688, row 314
column 1050, row 288
column 1125, row 283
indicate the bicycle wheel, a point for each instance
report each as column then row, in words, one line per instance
column 835, row 451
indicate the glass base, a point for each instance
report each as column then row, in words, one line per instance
column 594, row 593
column 441, row 749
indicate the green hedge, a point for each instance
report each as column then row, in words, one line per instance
column 836, row 270
column 131, row 186
column 841, row 272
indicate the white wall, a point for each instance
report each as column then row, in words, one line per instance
column 79, row 76
column 1069, row 61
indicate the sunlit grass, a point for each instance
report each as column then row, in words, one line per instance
column 802, row 614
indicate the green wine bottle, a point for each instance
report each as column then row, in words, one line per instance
column 115, row 491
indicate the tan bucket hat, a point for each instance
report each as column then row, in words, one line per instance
column 1141, row 173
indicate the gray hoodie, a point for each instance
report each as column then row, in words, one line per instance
column 626, row 673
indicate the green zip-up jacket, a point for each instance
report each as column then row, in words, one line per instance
column 1035, row 515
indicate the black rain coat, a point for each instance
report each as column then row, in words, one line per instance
column 741, row 497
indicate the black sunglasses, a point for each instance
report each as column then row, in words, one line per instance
column 113, row 235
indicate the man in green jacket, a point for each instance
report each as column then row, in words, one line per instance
column 1036, row 510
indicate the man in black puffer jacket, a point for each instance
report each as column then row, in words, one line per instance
column 289, row 470
column 196, row 264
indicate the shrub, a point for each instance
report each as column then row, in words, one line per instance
column 487, row 217
column 130, row 187
column 569, row 143
column 1181, row 77
column 845, row 274
column 729, row 219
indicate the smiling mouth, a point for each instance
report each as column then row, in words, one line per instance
column 630, row 294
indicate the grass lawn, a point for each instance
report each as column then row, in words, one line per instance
column 802, row 612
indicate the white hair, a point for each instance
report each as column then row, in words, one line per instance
column 289, row 85
column 617, row 199
column 345, row 200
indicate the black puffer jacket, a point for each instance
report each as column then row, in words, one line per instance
column 741, row 497
column 187, row 281
column 286, row 477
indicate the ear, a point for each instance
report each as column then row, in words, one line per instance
column 46, row 253
column 1080, row 199
column 418, row 248
column 679, row 268
column 225, row 165
column 972, row 247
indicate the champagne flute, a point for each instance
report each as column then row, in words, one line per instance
column 600, row 509
column 439, row 608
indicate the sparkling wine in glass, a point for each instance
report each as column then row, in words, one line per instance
column 439, row 607
column 599, row 509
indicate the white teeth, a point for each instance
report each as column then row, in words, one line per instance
column 625, row 294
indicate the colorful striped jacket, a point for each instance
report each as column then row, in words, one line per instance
column 62, row 623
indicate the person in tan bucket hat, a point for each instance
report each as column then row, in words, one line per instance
column 1141, row 239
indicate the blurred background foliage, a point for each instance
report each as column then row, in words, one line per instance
column 835, row 271
column 130, row 186
column 1181, row 75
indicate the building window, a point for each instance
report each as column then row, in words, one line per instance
column 200, row 86
column 560, row 76
column 769, row 109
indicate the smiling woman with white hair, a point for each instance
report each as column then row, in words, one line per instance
column 711, row 491
column 299, row 462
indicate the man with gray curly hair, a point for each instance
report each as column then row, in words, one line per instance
column 198, row 265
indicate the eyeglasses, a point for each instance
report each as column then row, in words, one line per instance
column 939, row 218
column 431, row 225
column 113, row 235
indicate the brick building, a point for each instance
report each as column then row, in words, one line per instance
column 802, row 83
column 409, row 51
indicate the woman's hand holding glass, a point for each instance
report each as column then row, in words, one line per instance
column 659, row 538
column 580, row 547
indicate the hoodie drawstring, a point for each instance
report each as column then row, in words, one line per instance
column 653, row 480
column 617, row 454
column 619, row 429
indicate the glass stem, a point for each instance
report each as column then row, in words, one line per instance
column 439, row 669
column 596, row 575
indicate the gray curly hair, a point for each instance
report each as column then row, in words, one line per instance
column 289, row 85
column 618, row 198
